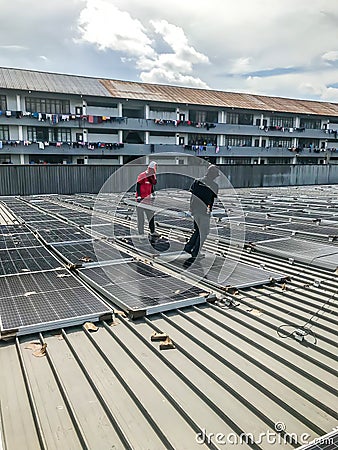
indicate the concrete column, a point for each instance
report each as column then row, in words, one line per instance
column 260, row 141
column 20, row 129
column 120, row 109
column 147, row 159
column 22, row 159
column 146, row 111
column 294, row 142
column 85, row 135
column 120, row 136
column 221, row 140
column 223, row 117
column 262, row 118
column 18, row 103
column 177, row 140
column 297, row 122
column 121, row 160
column 146, row 137
column 84, row 107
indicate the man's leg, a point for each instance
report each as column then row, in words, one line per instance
column 150, row 217
column 140, row 219
column 191, row 244
column 204, row 229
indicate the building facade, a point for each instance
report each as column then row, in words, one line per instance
column 49, row 118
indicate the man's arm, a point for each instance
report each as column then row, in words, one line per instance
column 138, row 189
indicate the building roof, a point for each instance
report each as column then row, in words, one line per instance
column 21, row 79
column 230, row 373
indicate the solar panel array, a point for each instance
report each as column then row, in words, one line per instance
column 36, row 292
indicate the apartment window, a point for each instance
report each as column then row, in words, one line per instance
column 279, row 121
column 232, row 118
column 42, row 134
column 239, row 141
column 203, row 116
column 202, row 139
column 3, row 102
column 4, row 133
column 281, row 143
column 47, row 105
column 310, row 124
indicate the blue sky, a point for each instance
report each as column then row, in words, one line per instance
column 286, row 48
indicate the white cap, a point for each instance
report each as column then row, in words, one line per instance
column 152, row 165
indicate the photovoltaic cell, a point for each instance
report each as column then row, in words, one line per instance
column 67, row 234
column 112, row 230
column 26, row 260
column 18, row 240
column 89, row 252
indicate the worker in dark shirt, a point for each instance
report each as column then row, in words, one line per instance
column 203, row 193
column 144, row 193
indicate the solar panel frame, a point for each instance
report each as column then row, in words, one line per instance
column 183, row 293
column 233, row 273
column 66, row 302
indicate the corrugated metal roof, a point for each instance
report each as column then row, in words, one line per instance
column 230, row 373
column 73, row 84
column 21, row 79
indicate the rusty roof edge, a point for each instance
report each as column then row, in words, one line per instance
column 214, row 97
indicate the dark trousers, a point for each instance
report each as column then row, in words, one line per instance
column 201, row 231
column 141, row 212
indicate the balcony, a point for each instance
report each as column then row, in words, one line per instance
column 124, row 123
column 146, row 149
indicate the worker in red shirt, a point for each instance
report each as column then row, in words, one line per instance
column 144, row 194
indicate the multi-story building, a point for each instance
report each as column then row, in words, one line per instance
column 59, row 118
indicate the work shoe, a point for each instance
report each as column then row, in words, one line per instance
column 155, row 234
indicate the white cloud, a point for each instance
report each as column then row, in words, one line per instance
column 107, row 27
column 103, row 24
column 330, row 56
column 14, row 48
column 162, row 76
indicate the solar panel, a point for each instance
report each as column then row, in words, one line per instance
column 47, row 224
column 166, row 221
column 112, row 230
column 321, row 255
column 66, row 234
column 26, row 260
column 237, row 234
column 225, row 272
column 80, row 220
column 315, row 230
column 46, row 300
column 85, row 253
column 33, row 216
column 142, row 289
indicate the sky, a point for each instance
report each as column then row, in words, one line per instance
column 286, row 48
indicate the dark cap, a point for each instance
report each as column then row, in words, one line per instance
column 212, row 172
